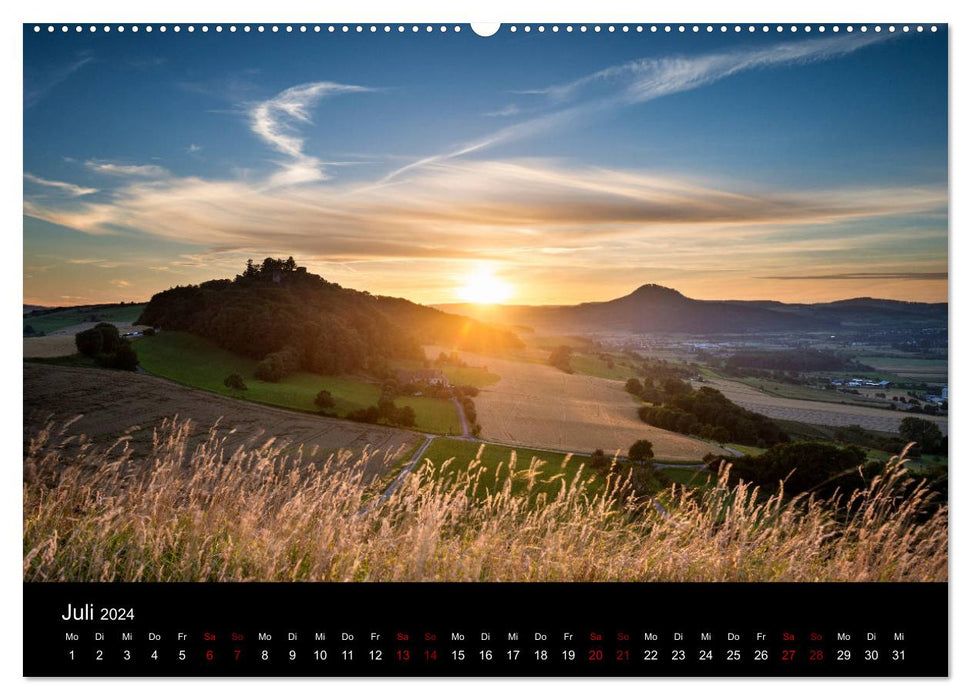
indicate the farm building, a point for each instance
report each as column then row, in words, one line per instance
column 430, row 377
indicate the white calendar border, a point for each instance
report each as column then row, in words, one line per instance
column 602, row 11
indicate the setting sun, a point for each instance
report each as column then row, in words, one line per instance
column 483, row 287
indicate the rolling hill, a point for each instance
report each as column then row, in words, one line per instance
column 294, row 320
column 656, row 309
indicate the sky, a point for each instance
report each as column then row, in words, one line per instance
column 521, row 168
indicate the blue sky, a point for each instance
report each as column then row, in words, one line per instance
column 561, row 167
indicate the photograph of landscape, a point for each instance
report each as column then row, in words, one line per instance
column 395, row 305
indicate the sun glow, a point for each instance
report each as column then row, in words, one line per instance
column 483, row 287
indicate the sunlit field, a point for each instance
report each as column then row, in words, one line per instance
column 267, row 514
column 197, row 362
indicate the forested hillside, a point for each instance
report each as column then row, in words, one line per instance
column 291, row 319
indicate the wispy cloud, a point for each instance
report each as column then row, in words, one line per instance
column 644, row 80
column 462, row 209
column 66, row 187
column 274, row 121
column 865, row 276
column 193, row 148
column 125, row 170
column 507, row 111
column 97, row 262
column 37, row 86
column 647, row 79
column 146, row 62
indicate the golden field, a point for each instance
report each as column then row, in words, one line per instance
column 536, row 405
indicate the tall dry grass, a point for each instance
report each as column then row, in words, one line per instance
column 267, row 514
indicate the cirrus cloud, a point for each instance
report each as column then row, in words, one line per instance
column 125, row 170
column 275, row 121
column 67, row 188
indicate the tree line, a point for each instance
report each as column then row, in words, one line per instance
column 804, row 360
column 704, row 412
column 824, row 470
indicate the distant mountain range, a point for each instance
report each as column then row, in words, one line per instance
column 656, row 309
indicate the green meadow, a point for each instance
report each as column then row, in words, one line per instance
column 493, row 468
column 196, row 362
column 65, row 318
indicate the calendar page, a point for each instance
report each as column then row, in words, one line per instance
column 545, row 349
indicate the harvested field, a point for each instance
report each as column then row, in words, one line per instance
column 50, row 346
column 535, row 405
column 910, row 367
column 115, row 403
column 816, row 412
column 60, row 343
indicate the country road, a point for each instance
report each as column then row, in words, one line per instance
column 465, row 422
column 405, row 470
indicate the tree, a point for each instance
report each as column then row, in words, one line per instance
column 324, row 399
column 674, row 386
column 387, row 410
column 651, row 394
column 102, row 339
column 925, row 433
column 641, row 451
column 124, row 357
column 598, row 460
column 804, row 466
column 110, row 337
column 107, row 347
column 560, row 358
column 634, row 386
column 687, row 424
column 405, row 416
column 276, row 365
column 364, row 415
column 234, row 382
column 89, row 342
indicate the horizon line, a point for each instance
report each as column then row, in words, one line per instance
column 49, row 305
